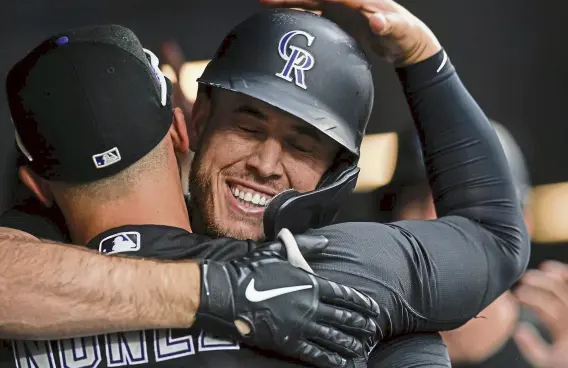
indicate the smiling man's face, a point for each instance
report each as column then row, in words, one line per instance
column 246, row 152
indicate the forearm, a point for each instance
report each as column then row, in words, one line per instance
column 55, row 291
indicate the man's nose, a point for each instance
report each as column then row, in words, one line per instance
column 266, row 160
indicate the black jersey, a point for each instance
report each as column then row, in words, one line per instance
column 187, row 347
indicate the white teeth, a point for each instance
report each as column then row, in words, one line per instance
column 256, row 198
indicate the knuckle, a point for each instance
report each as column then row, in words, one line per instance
column 372, row 327
column 305, row 350
column 358, row 348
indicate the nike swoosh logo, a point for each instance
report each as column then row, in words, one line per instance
column 255, row 296
column 444, row 61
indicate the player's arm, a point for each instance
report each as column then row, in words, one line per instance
column 54, row 290
column 437, row 275
column 481, row 233
column 322, row 323
column 420, row 350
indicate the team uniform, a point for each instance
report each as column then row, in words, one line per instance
column 425, row 275
column 163, row 348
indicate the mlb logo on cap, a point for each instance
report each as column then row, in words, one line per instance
column 121, row 242
column 107, row 158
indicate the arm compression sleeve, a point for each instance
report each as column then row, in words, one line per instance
column 436, row 275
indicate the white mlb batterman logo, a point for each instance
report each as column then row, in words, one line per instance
column 128, row 241
column 107, row 158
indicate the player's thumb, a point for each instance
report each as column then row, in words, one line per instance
column 311, row 245
column 382, row 23
column 532, row 345
column 296, row 246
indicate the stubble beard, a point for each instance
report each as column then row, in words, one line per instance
column 202, row 209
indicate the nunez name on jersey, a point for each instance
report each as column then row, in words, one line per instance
column 159, row 348
column 113, row 350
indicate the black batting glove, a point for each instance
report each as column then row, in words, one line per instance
column 308, row 245
column 288, row 310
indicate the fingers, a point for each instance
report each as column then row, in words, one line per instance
column 349, row 298
column 548, row 282
column 557, row 268
column 304, row 4
column 547, row 295
column 532, row 346
column 335, row 340
column 311, row 245
column 365, row 6
column 350, row 322
column 386, row 23
column 311, row 353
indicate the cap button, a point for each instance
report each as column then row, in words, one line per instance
column 62, row 40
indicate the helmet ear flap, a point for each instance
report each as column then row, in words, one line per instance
column 299, row 212
column 341, row 164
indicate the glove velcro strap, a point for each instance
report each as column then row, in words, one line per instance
column 216, row 308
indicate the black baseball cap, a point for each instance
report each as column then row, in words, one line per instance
column 88, row 103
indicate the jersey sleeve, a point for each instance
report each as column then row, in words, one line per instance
column 421, row 350
column 425, row 275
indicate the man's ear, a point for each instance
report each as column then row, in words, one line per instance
column 37, row 185
column 178, row 132
column 199, row 117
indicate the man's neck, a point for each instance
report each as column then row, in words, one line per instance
column 145, row 206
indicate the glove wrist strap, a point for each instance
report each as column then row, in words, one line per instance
column 216, row 308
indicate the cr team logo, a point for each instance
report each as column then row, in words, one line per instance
column 298, row 60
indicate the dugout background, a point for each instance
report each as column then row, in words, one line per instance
column 509, row 53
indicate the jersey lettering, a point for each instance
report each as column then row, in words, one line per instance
column 80, row 352
column 167, row 347
column 210, row 343
column 127, row 348
column 121, row 349
column 33, row 354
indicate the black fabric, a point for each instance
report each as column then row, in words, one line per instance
column 419, row 350
column 151, row 241
column 30, row 215
column 81, row 94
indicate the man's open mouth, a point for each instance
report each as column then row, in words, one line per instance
column 249, row 197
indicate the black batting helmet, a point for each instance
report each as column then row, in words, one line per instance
column 307, row 66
